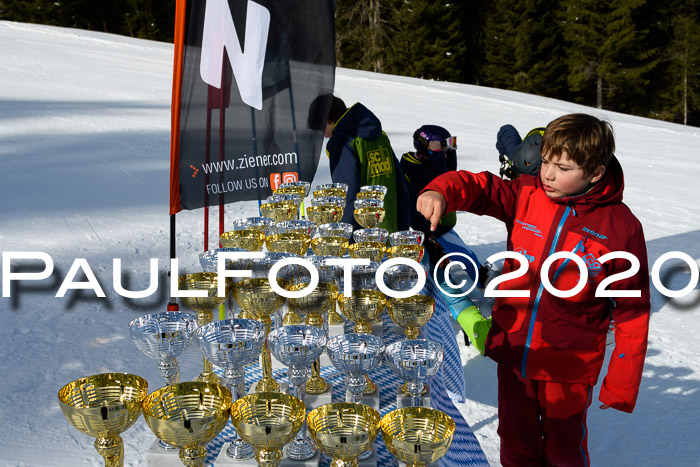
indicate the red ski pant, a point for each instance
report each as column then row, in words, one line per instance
column 542, row 423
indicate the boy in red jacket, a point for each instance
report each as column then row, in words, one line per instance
column 550, row 345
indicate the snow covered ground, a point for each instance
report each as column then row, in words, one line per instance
column 84, row 149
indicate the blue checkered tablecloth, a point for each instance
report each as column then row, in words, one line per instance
column 447, row 384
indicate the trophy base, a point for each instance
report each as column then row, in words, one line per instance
column 284, row 389
column 335, row 330
column 316, row 400
column 377, row 329
column 159, row 457
column 371, row 400
column 405, row 400
column 224, row 459
column 371, row 461
column 316, row 385
column 291, row 318
column 208, row 377
column 267, row 385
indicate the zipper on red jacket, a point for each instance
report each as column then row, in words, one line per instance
column 536, row 304
column 577, row 248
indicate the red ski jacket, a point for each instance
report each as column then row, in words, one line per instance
column 563, row 339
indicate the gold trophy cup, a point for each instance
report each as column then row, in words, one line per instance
column 417, row 436
column 103, row 406
column 209, row 282
column 256, row 297
column 299, row 188
column 369, row 212
column 331, row 189
column 414, row 252
column 411, row 313
column 281, row 207
column 344, row 431
column 326, row 209
column 325, row 213
column 288, row 242
column 374, row 251
column 370, row 195
column 329, row 272
column 267, row 421
column 363, row 308
column 188, row 416
column 372, row 191
column 248, row 239
column 330, row 246
column 289, row 189
column 314, row 306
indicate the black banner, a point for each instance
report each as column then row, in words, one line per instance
column 250, row 70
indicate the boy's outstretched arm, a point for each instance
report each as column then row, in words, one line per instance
column 479, row 193
column 431, row 205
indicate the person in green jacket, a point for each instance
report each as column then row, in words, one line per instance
column 360, row 153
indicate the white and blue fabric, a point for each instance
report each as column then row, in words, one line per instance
column 448, row 383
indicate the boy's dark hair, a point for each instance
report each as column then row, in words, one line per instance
column 588, row 141
column 323, row 109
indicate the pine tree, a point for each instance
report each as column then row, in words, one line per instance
column 472, row 16
column 363, row 31
column 522, row 46
column 428, row 42
column 605, row 51
column 682, row 93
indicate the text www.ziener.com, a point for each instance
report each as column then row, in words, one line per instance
column 250, row 162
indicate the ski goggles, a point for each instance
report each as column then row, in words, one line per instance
column 449, row 143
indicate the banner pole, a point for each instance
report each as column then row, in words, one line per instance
column 178, row 60
column 255, row 153
column 172, row 304
column 207, row 158
column 302, row 211
column 222, row 148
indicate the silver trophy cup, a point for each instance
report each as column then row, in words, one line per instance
column 355, row 355
column 232, row 344
column 297, row 347
column 414, row 361
column 163, row 337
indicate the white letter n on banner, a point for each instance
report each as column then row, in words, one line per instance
column 219, row 32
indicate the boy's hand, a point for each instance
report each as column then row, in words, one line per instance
column 604, row 407
column 431, row 205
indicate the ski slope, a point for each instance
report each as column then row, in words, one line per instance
column 84, row 161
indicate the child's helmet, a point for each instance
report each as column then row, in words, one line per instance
column 527, row 158
column 423, row 135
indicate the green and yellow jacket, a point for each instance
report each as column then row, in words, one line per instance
column 360, row 154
